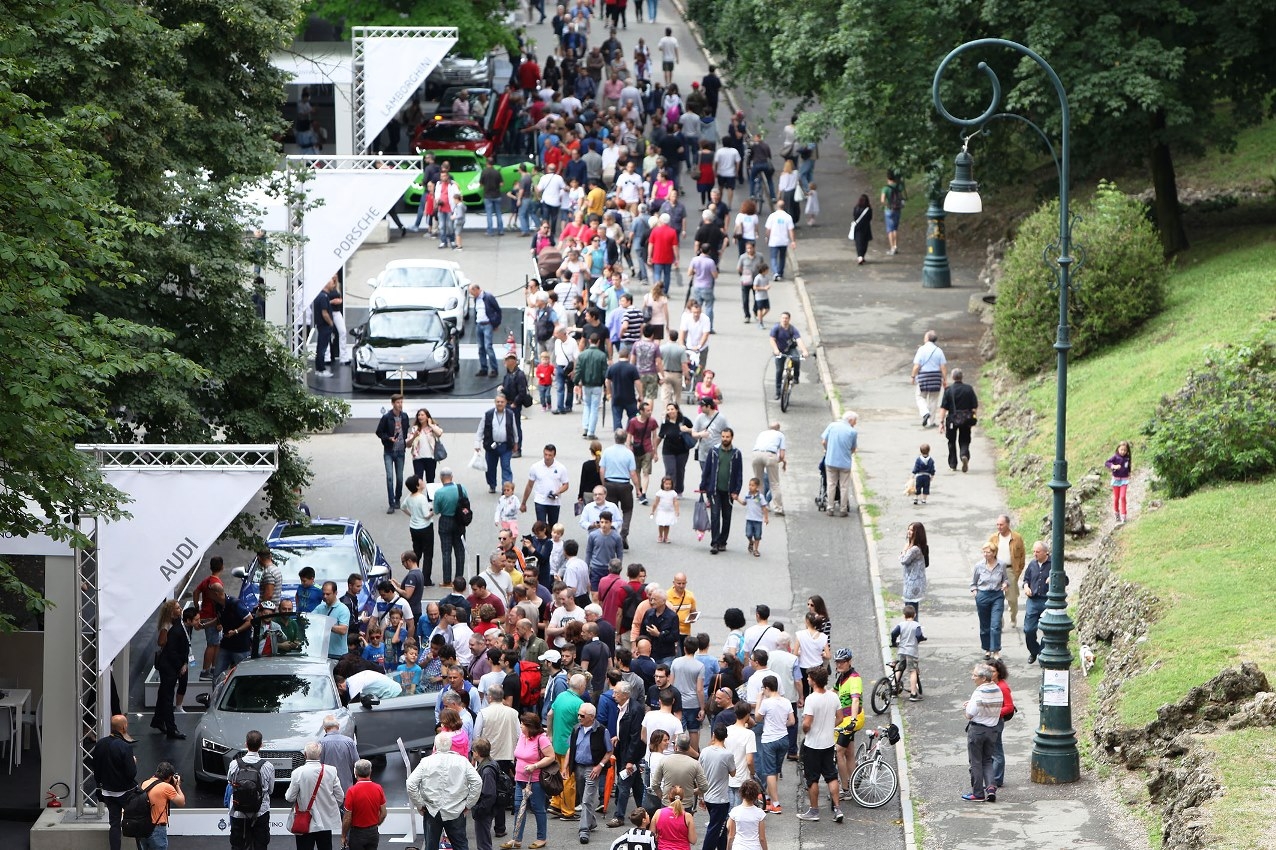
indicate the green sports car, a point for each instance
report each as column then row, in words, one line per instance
column 465, row 168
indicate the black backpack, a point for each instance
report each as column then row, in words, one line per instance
column 246, row 792
column 629, row 607
column 464, row 513
column 895, row 198
column 544, row 325
column 135, row 819
column 504, row 786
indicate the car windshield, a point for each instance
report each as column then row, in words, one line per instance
column 454, row 133
column 330, row 563
column 275, row 693
column 419, row 276
column 405, row 324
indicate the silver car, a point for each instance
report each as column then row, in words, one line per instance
column 286, row 695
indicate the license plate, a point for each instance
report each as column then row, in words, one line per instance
column 281, row 764
column 401, row 375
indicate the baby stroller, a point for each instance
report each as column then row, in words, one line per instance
column 822, row 498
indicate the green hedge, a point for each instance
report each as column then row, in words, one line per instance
column 1222, row 425
column 1120, row 284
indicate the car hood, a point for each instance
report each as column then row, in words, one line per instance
column 285, row 731
column 442, row 298
column 395, row 353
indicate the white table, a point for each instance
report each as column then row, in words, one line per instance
column 14, row 702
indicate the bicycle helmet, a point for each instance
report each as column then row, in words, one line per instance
column 843, row 654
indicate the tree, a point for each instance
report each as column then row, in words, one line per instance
column 478, row 22
column 154, row 115
column 1145, row 81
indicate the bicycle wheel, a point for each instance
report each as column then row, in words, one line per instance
column 873, row 784
column 883, row 691
column 786, row 389
column 861, row 752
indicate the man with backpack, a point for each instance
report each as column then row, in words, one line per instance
column 145, row 813
column 452, row 507
column 115, row 771
column 251, row 779
column 893, row 198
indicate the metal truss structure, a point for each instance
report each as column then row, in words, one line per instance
column 358, row 44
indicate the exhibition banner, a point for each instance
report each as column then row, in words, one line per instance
column 176, row 515
column 393, row 69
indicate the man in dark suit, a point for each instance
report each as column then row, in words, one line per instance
column 392, row 431
column 497, row 438
column 628, row 749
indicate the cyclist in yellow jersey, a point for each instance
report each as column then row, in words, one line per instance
column 850, row 693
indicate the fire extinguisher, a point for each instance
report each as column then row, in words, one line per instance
column 511, row 347
column 53, row 800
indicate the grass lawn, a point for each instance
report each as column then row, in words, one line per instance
column 1218, row 293
column 1246, row 761
column 1249, row 166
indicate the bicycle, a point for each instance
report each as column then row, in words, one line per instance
column 874, row 782
column 788, row 380
column 890, row 686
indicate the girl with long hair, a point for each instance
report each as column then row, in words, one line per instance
column 915, row 558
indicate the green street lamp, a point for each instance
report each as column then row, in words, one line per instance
column 1054, row 747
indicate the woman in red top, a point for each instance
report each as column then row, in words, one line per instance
column 675, row 827
column 1007, row 711
column 705, row 176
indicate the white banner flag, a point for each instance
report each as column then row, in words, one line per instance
column 177, row 514
column 353, row 203
column 394, row 68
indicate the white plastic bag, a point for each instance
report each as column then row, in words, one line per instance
column 478, row 462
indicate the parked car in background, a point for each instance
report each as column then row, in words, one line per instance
column 465, row 168
column 402, row 348
column 459, row 71
column 335, row 548
column 421, row 282
column 462, row 134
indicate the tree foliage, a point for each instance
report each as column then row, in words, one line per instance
column 479, row 22
column 1145, row 81
column 126, row 130
column 1119, row 286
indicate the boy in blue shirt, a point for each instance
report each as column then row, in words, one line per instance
column 409, row 672
column 756, row 514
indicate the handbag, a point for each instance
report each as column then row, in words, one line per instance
column 551, row 778
column 798, row 194
column 301, row 820
column 440, row 450
column 700, row 516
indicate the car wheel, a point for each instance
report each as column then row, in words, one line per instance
column 378, row 761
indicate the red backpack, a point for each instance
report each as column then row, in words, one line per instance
column 529, row 681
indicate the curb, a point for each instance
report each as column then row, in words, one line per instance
column 874, row 570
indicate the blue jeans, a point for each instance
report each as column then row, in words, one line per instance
column 771, row 757
column 757, row 174
column 622, row 413
column 705, row 297
column 651, row 9
column 989, row 604
column 779, row 253
column 592, row 398
column 662, row 272
column 625, row 787
column 487, row 356
column 420, row 209
column 225, row 661
column 715, row 835
column 753, row 529
column 393, row 477
column 1034, row 608
column 806, row 171
column 157, row 840
column 502, row 454
column 492, row 207
column 999, row 757
column 528, row 217
column 447, row 229
column 563, row 388
column 551, row 214
column 537, row 807
column 435, row 827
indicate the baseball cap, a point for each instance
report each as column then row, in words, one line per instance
column 553, row 656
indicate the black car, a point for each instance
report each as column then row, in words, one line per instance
column 405, row 347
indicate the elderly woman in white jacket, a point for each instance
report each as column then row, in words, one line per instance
column 316, row 789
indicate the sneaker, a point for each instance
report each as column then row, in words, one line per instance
column 615, row 823
column 925, row 419
column 965, row 464
column 809, row 814
column 837, row 815
column 914, row 698
column 973, row 798
column 205, row 675
column 177, row 709
column 324, row 373
column 844, row 795
column 990, row 795
column 775, row 808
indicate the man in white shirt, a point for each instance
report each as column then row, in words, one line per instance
column 930, row 375
column 566, row 612
column 743, row 744
column 668, row 47
column 553, row 192
column 761, row 635
column 786, row 667
column 456, row 633
column 779, row 238
column 443, row 786
column 694, row 329
column 549, row 480
column 629, row 185
column 498, row 581
column 576, row 573
column 726, row 165
column 819, row 720
column 768, row 459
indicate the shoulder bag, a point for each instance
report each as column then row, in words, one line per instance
column 551, row 778
column 301, row 820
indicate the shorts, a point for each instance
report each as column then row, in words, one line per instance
column 213, row 635
column 643, row 462
column 770, row 756
column 818, row 764
column 667, row 66
column 911, row 663
column 892, row 220
column 691, row 723
column 726, row 182
column 761, row 301
column 753, row 530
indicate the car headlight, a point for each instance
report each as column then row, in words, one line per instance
column 363, row 357
column 440, row 355
column 452, row 304
column 378, row 303
column 211, row 746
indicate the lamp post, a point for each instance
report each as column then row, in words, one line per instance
column 1054, row 747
